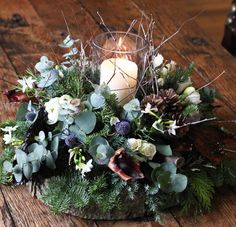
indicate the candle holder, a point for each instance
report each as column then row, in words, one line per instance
column 121, row 59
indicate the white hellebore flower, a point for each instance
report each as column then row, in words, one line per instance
column 26, row 83
column 7, row 138
column 157, row 61
column 87, row 167
column 192, row 95
column 9, row 129
column 53, row 109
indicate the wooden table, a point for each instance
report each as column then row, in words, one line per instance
column 22, row 42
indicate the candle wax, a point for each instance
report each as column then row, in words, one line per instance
column 121, row 76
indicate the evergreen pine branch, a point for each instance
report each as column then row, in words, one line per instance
column 180, row 75
column 199, row 193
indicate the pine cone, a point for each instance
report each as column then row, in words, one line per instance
column 156, row 102
column 166, row 102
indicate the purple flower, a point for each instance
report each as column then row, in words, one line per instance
column 72, row 140
column 123, row 127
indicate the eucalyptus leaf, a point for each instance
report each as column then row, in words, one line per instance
column 7, row 166
column 47, row 78
column 36, row 166
column 163, row 181
column 79, row 133
column 99, row 140
column 21, row 157
column 164, row 149
column 54, row 147
column 103, row 154
column 50, row 163
column 178, row 182
column 27, row 170
column 169, row 166
column 17, row 172
column 86, row 121
column 21, row 112
column 97, row 100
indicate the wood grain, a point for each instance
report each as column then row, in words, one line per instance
column 22, row 46
column 28, row 211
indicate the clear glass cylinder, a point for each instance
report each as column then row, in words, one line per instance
column 121, row 59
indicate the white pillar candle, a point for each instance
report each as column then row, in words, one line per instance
column 121, row 76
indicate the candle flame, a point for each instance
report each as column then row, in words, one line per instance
column 120, row 42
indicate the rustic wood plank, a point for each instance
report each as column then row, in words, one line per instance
column 29, row 211
column 5, row 215
column 7, row 80
column 79, row 22
column 222, row 214
column 168, row 223
column 20, row 42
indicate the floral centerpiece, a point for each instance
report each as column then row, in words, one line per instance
column 100, row 152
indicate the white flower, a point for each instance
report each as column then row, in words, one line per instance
column 9, row 129
column 169, row 67
column 134, row 144
column 148, row 150
column 172, row 127
column 157, row 61
column 148, row 108
column 192, row 95
column 26, row 83
column 87, row 167
column 53, row 109
column 7, row 138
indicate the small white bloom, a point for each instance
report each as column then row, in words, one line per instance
column 7, row 138
column 148, row 108
column 160, row 81
column 87, row 167
column 26, row 83
column 114, row 120
column 157, row 61
column 169, row 67
column 172, row 127
column 9, row 129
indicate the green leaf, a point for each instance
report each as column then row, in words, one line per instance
column 163, row 180
column 50, row 163
column 86, row 121
column 164, row 149
column 97, row 100
column 54, row 147
column 7, row 166
column 17, row 172
column 21, row 157
column 27, row 170
column 22, row 110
